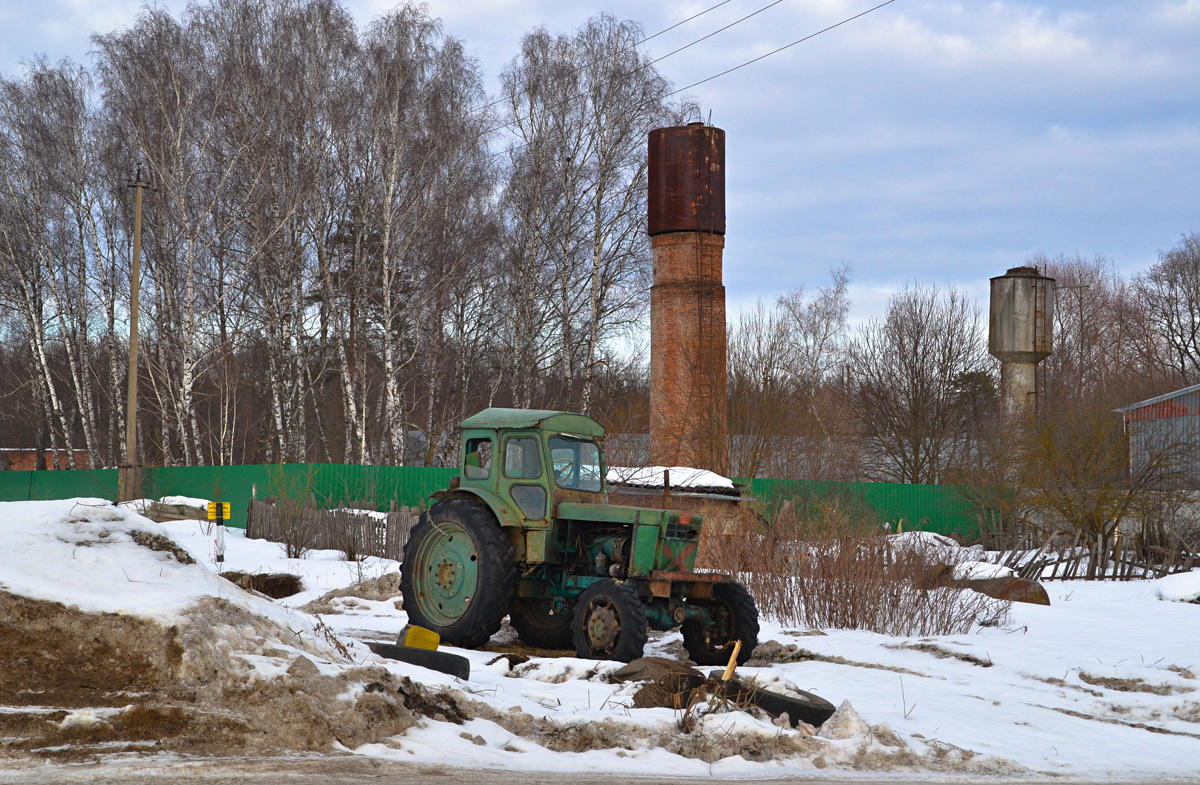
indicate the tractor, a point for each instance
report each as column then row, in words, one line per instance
column 526, row 531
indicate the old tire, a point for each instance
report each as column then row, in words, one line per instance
column 801, row 706
column 609, row 622
column 459, row 573
column 535, row 625
column 454, row 665
column 736, row 618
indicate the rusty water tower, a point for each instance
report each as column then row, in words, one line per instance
column 686, row 223
column 1020, row 335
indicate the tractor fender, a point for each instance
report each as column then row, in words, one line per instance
column 507, row 516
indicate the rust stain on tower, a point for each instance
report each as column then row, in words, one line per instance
column 688, row 420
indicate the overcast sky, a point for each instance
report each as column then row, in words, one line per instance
column 940, row 142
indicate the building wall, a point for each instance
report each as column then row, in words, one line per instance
column 26, row 460
column 1175, row 439
column 1167, row 428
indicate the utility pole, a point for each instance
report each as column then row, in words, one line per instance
column 129, row 477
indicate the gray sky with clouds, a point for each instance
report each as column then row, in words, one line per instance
column 933, row 141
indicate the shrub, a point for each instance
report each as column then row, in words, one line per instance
column 830, row 566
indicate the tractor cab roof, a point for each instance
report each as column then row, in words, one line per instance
column 562, row 422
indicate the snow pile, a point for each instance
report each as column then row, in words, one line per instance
column 933, row 543
column 1184, row 587
column 968, row 563
column 682, row 477
column 82, row 553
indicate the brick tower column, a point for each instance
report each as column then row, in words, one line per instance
column 688, row 392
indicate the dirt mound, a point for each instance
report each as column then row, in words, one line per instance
column 53, row 655
column 385, row 587
column 84, row 685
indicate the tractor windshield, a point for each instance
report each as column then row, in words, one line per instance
column 576, row 463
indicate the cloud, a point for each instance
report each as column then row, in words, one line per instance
column 932, row 139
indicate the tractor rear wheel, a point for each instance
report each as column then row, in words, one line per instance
column 535, row 625
column 459, row 573
column 609, row 622
column 735, row 618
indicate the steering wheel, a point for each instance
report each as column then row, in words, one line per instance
column 564, row 468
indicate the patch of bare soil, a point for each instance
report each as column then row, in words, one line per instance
column 86, row 685
column 1184, row 672
column 1115, row 721
column 1057, row 682
column 941, row 653
column 1131, row 685
column 506, row 642
column 776, row 653
column 385, row 587
column 276, row 585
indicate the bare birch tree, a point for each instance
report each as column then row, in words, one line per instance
column 1170, row 294
column 904, row 373
column 579, row 108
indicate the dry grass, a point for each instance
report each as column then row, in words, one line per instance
column 829, row 566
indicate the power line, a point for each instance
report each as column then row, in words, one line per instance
column 635, row 43
column 685, row 21
column 710, row 35
column 780, row 49
column 649, row 63
column 727, row 70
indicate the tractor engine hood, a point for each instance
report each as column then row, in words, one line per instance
column 621, row 514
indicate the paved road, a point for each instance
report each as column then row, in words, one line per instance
column 357, row 770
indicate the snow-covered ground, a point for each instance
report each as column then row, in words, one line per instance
column 1103, row 683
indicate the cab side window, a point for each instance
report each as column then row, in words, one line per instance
column 477, row 463
column 521, row 459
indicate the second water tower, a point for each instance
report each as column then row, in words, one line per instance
column 1020, row 335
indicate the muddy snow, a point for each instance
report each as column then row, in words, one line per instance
column 119, row 638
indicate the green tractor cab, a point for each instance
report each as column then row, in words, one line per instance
column 526, row 531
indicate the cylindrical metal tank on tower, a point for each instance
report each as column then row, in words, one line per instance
column 1020, row 334
column 686, row 223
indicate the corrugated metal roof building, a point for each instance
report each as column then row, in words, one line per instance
column 1168, row 423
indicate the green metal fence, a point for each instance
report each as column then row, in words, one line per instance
column 946, row 509
column 326, row 484
column 939, row 508
column 24, row 486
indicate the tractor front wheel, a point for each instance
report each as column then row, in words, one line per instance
column 609, row 622
column 459, row 573
column 735, row 618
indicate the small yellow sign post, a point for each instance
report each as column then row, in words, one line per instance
column 219, row 512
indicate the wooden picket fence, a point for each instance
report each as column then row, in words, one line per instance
column 1125, row 558
column 304, row 527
